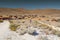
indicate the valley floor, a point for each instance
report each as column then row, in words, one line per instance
column 30, row 33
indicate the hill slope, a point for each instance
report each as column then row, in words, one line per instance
column 17, row 11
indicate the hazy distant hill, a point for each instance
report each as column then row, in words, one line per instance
column 17, row 11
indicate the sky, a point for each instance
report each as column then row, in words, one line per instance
column 30, row 4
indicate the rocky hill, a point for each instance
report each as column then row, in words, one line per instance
column 18, row 11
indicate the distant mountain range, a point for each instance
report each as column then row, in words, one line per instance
column 18, row 11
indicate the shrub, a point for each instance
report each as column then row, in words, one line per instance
column 58, row 20
column 44, row 26
column 57, row 33
column 13, row 27
column 1, row 20
column 11, row 21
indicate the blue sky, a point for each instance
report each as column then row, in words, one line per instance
column 30, row 4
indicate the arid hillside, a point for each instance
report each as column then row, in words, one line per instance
column 18, row 11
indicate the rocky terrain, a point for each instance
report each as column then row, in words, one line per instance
column 22, row 24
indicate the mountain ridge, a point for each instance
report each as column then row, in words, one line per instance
column 17, row 11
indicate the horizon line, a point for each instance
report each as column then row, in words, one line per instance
column 30, row 9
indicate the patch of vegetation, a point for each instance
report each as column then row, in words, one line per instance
column 11, row 21
column 58, row 20
column 13, row 27
column 44, row 26
column 58, row 26
column 36, row 22
column 1, row 20
column 56, row 32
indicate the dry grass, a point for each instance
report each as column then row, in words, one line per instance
column 13, row 27
column 1, row 20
